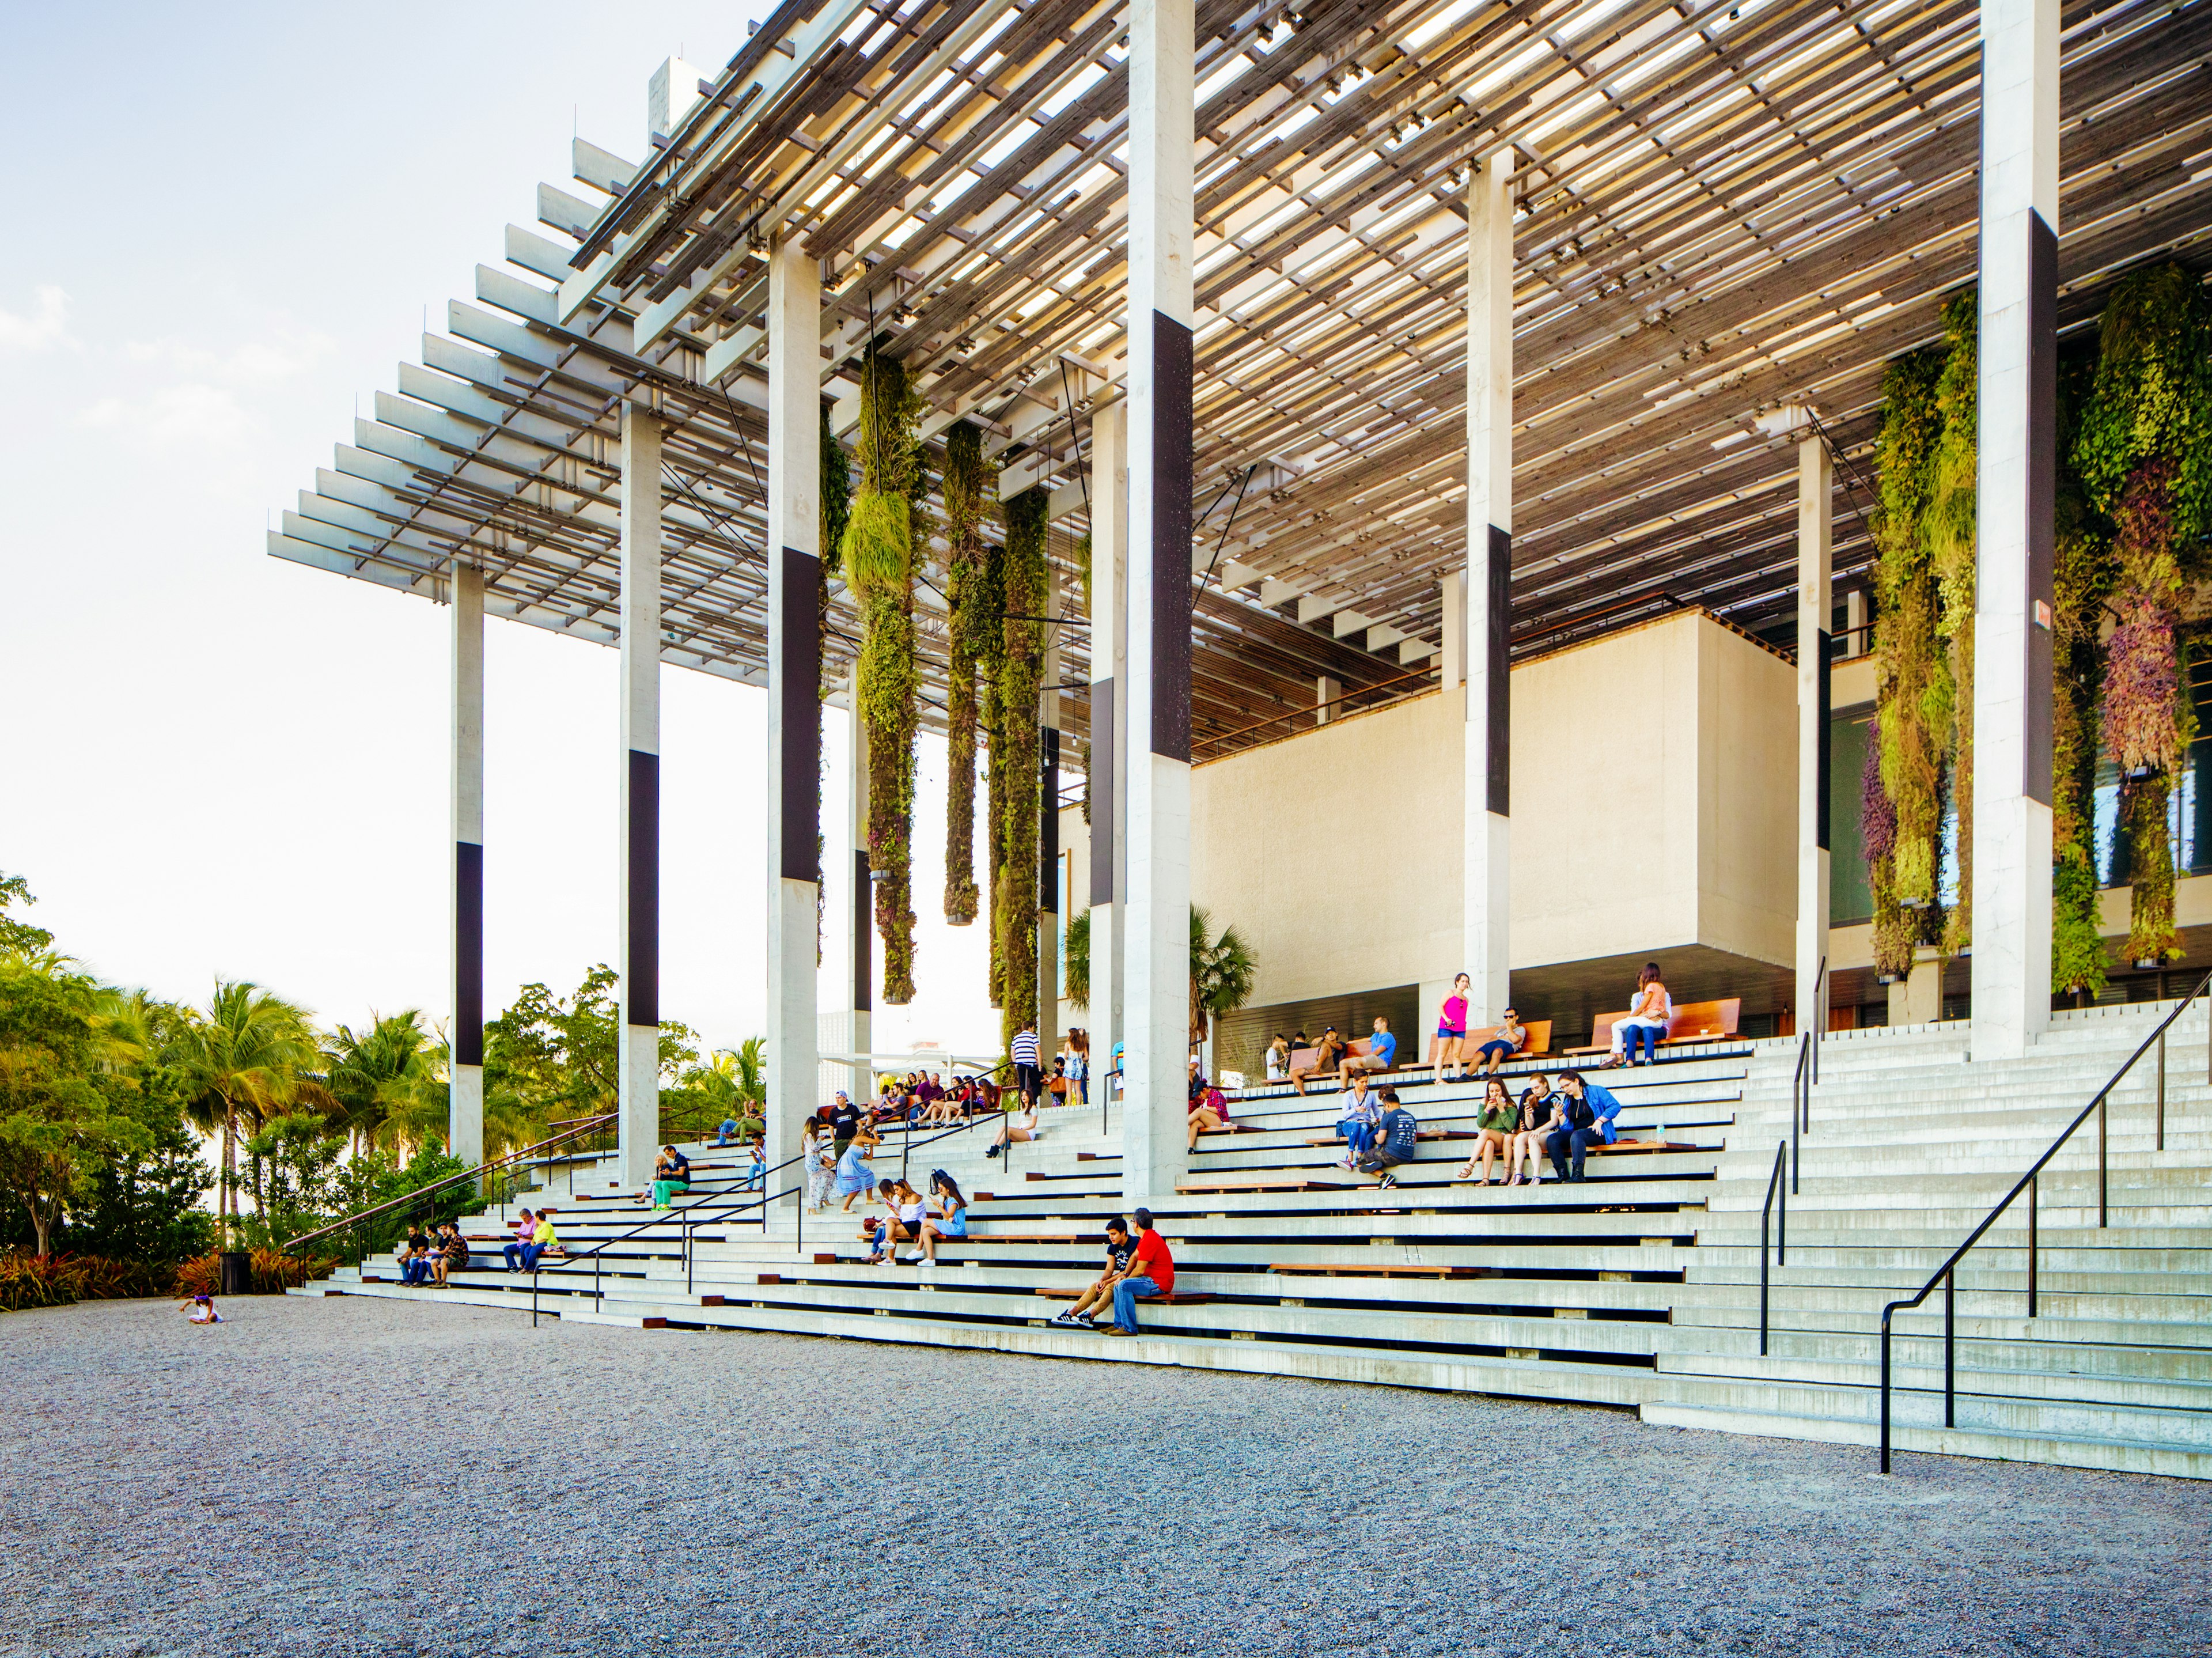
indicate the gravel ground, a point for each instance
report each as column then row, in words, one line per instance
column 357, row 1477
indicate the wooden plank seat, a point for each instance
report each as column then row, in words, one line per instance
column 1318, row 1271
column 1026, row 1237
column 1232, row 1129
column 1535, row 1046
column 1424, row 1135
column 1693, row 1022
column 1178, row 1298
column 1278, row 1180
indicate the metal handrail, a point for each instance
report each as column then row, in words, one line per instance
column 584, row 1126
column 1807, row 1075
column 1782, row 1252
column 2027, row 1182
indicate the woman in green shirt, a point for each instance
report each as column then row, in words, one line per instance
column 1496, row 1119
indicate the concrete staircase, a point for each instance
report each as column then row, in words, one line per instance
column 1638, row 1287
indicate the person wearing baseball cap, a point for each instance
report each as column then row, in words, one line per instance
column 844, row 1122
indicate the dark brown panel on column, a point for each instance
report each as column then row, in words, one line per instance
column 1048, row 819
column 1823, row 802
column 798, row 700
column 468, row 953
column 2042, row 500
column 1171, row 371
column 1499, row 782
column 864, row 943
column 642, row 971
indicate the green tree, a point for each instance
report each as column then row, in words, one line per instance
column 562, row 1058
column 1078, row 988
column 145, row 1200
column 733, row 1082
column 60, row 1123
column 18, row 937
column 243, row 1059
column 1222, row 969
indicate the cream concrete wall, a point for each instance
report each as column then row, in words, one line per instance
column 1654, row 805
column 1337, row 853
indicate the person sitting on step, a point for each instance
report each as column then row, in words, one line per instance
column 1151, row 1275
column 1012, row 1128
column 1538, row 1113
column 1396, row 1137
column 1587, row 1114
column 1209, row 1111
column 1096, row 1299
column 951, row 1220
column 672, row 1172
column 1279, row 1058
column 1504, row 1044
column 453, row 1253
column 542, row 1238
column 1382, row 1053
column 1649, row 1019
column 900, row 1223
column 1356, row 1115
column 1326, row 1053
column 422, row 1252
column 726, row 1133
column 1495, row 1121
column 756, row 1178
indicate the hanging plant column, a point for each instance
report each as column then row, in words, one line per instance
column 1017, row 808
column 968, row 485
column 877, row 555
column 1949, row 534
column 2144, row 453
column 1913, row 709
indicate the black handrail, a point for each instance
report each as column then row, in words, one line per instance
column 584, row 1126
column 1782, row 1254
column 1807, row 1076
column 2027, row 1183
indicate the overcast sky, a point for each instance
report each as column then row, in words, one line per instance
column 229, row 225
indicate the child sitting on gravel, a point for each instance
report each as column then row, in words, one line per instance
column 200, row 1309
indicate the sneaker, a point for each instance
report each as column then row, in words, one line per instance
column 1388, row 1180
column 1067, row 1320
column 915, row 1260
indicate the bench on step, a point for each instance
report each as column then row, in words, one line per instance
column 1693, row 1022
column 1283, row 1180
column 1300, row 1267
column 1535, row 1044
column 1425, row 1135
column 1232, row 1129
column 1178, row 1298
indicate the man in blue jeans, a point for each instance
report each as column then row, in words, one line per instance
column 1587, row 1120
column 1152, row 1272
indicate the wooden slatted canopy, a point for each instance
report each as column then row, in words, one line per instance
column 1723, row 207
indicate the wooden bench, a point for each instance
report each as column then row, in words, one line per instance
column 1537, row 1043
column 1177, row 1298
column 1693, row 1022
column 1282, row 1181
column 1425, row 1135
column 1382, row 1272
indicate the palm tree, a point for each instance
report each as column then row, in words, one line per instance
column 1077, row 976
column 731, row 1080
column 384, row 1077
column 244, row 1057
column 1222, row 969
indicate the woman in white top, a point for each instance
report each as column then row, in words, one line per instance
column 1648, row 1019
column 817, row 1156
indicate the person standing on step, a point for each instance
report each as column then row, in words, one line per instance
column 1151, row 1275
column 844, row 1123
column 1356, row 1115
column 1397, row 1139
column 1495, row 1122
column 854, row 1176
column 1587, row 1114
column 1540, row 1114
column 1382, row 1052
column 1451, row 1029
column 1119, row 1246
column 1023, row 1051
column 817, row 1157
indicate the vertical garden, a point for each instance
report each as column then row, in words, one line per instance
column 2133, row 506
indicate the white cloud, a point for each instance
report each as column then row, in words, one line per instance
column 194, row 415
column 284, row 352
column 48, row 327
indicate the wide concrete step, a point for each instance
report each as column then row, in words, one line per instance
column 2122, row 1456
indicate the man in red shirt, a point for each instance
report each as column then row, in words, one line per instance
column 1152, row 1272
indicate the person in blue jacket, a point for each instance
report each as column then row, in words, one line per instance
column 1586, row 1118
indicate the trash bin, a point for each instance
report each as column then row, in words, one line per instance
column 237, row 1272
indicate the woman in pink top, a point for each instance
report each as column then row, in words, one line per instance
column 1451, row 1029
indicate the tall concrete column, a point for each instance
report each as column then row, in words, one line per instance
column 794, row 685
column 1815, row 567
column 1048, row 729
column 1162, row 310
column 860, row 1026
column 464, row 1071
column 1109, row 544
column 1489, row 600
column 2015, row 498
column 639, row 1065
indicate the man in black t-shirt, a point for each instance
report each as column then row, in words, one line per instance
column 844, row 1122
column 1395, row 1139
column 1100, row 1296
